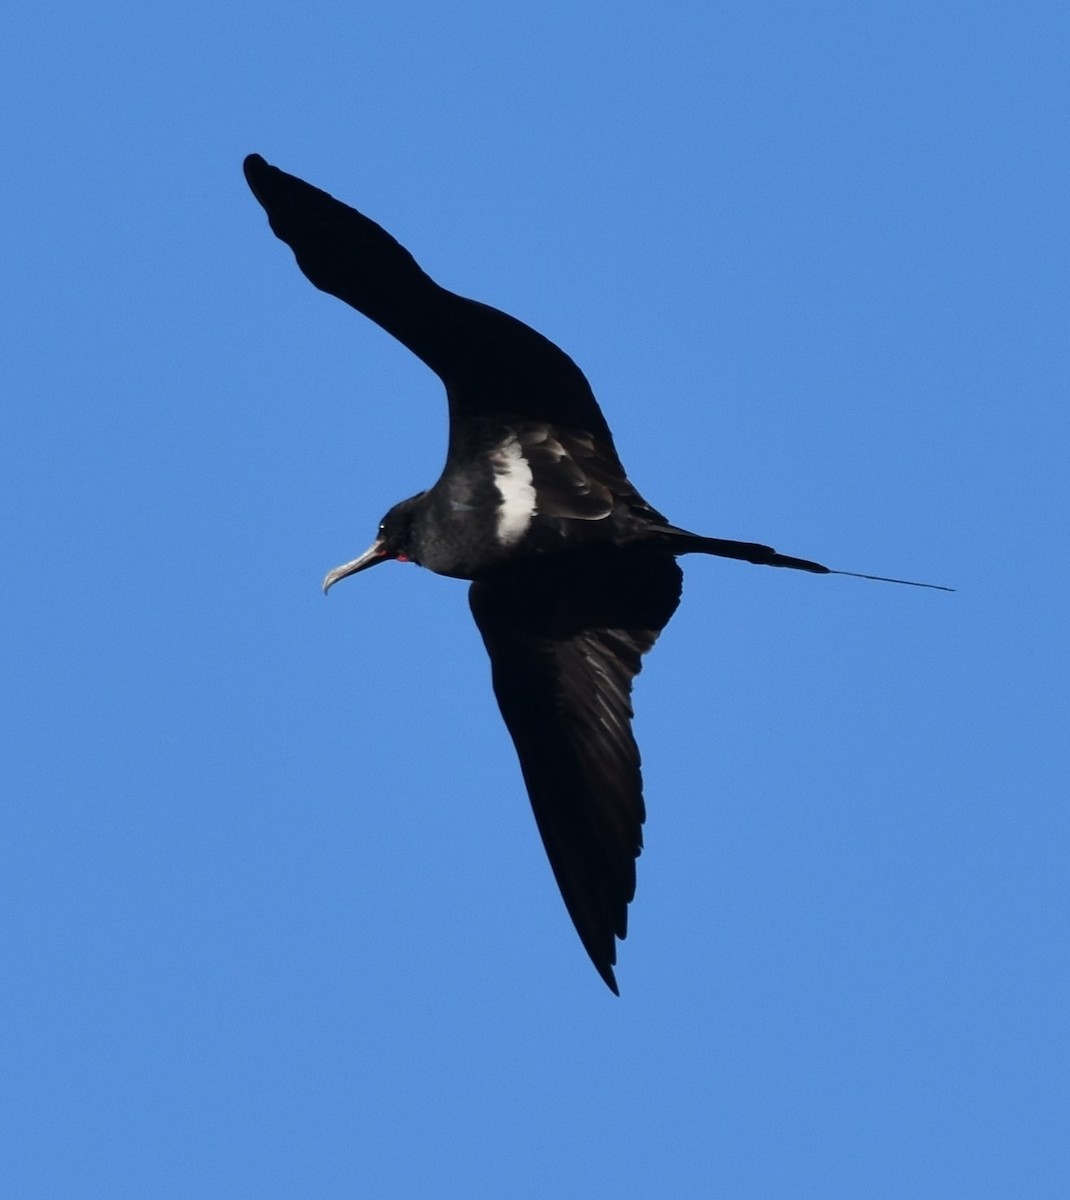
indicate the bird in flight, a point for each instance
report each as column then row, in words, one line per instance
column 574, row 574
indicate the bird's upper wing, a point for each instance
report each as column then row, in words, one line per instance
column 565, row 641
column 493, row 365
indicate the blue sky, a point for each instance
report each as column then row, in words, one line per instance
column 276, row 921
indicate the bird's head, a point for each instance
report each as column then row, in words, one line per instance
column 393, row 541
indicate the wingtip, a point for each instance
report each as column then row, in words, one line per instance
column 272, row 187
column 254, row 167
column 608, row 978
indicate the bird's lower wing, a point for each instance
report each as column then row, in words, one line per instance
column 565, row 641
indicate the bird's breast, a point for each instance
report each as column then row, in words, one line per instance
column 517, row 493
column 514, row 483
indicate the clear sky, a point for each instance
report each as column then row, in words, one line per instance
column 276, row 922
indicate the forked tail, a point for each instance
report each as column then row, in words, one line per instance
column 766, row 556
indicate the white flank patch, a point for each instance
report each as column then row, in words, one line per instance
column 512, row 478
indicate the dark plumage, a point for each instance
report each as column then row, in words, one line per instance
column 574, row 573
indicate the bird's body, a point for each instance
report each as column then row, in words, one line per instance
column 574, row 573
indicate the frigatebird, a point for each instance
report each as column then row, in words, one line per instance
column 574, row 574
